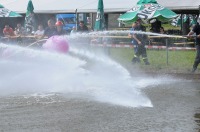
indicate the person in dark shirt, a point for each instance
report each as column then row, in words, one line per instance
column 50, row 30
column 196, row 30
column 161, row 40
column 82, row 27
column 142, row 39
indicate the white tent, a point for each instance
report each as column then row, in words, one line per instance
column 69, row 6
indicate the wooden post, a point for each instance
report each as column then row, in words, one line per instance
column 76, row 19
column 181, row 24
column 167, row 51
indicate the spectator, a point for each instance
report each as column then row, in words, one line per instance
column 155, row 25
column 162, row 30
column 162, row 40
column 8, row 31
column 50, row 30
column 73, row 30
column 19, row 30
column 59, row 28
column 82, row 27
column 40, row 32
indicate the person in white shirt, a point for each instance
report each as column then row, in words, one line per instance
column 40, row 32
column 73, row 30
column 19, row 30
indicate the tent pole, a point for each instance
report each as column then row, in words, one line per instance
column 167, row 51
column 92, row 24
column 199, row 9
column 181, row 24
column 76, row 19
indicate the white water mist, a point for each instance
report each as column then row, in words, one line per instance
column 30, row 71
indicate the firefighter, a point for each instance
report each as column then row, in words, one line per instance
column 141, row 50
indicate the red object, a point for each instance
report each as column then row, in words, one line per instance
column 8, row 31
column 59, row 23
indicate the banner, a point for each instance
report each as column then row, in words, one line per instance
column 4, row 12
column 149, row 10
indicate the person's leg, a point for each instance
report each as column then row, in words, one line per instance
column 135, row 57
column 197, row 59
column 135, row 48
column 134, row 43
column 144, row 55
column 137, row 54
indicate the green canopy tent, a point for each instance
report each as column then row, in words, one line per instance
column 147, row 10
column 177, row 21
column 30, row 19
column 185, row 21
column 192, row 19
column 30, row 8
column 100, row 20
column 7, row 13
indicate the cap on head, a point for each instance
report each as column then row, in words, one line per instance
column 59, row 23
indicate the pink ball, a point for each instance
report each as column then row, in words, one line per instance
column 57, row 44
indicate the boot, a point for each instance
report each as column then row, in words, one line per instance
column 135, row 60
column 146, row 62
column 194, row 67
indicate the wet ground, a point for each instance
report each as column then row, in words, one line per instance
column 176, row 108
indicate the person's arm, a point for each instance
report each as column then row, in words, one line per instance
column 44, row 34
column 36, row 35
column 190, row 33
column 198, row 35
column 132, row 35
column 195, row 30
column 12, row 32
column 4, row 32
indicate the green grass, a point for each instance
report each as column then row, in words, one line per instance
column 178, row 61
column 167, row 26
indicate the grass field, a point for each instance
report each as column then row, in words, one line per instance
column 178, row 61
column 167, row 26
